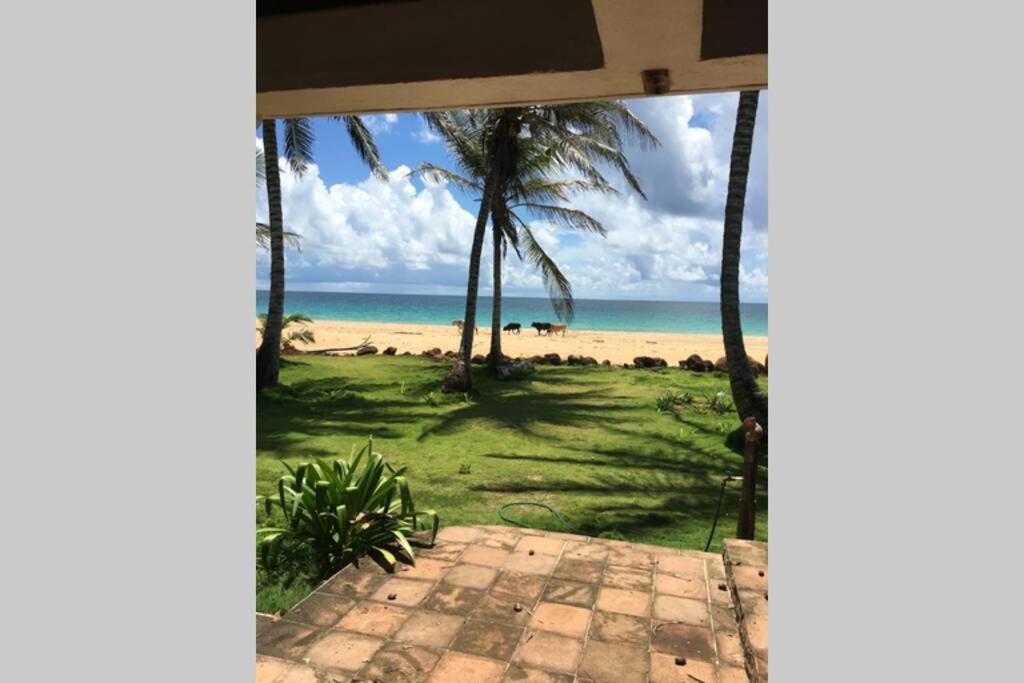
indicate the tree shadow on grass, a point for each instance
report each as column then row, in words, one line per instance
column 290, row 414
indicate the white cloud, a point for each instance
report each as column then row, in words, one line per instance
column 401, row 236
column 380, row 123
column 425, row 135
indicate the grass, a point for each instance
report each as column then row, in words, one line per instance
column 589, row 441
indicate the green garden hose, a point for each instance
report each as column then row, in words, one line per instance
column 556, row 513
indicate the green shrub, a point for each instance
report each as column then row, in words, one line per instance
column 341, row 513
column 465, row 469
column 665, row 401
column 718, row 403
column 433, row 399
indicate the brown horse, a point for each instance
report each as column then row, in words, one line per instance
column 459, row 324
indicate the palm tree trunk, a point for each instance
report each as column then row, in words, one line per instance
column 268, row 357
column 460, row 379
column 749, row 399
column 496, row 354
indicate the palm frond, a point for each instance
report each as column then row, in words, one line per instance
column 557, row 284
column 298, row 144
column 573, row 219
column 364, row 144
column 291, row 239
column 436, row 174
column 261, row 166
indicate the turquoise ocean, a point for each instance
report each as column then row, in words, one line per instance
column 591, row 314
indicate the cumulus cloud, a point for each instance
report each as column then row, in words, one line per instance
column 405, row 235
column 380, row 123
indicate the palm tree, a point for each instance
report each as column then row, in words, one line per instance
column 303, row 335
column 298, row 148
column 750, row 400
column 508, row 156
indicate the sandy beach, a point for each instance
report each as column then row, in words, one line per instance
column 618, row 347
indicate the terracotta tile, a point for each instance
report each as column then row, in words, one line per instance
column 618, row 662
column 611, row 627
column 637, row 559
column 562, row 535
column 374, row 619
column 456, row 667
column 400, row 663
column 617, row 577
column 723, row 618
column 563, row 619
column 444, row 552
column 483, row 555
column 269, row 670
column 756, row 628
column 505, row 538
column 519, row 674
column 732, row 674
column 635, row 603
column 342, row 650
column 458, row 534
column 540, row 545
column 452, row 599
column 671, row 608
column 683, row 640
column 488, row 639
column 719, row 591
column 681, row 565
column 665, row 670
column 300, row 673
column 354, row 583
column 682, row 586
column 431, row 629
column 537, row 563
column 470, row 576
column 749, row 578
column 570, row 592
column 549, row 651
column 730, row 649
column 716, row 570
column 321, row 609
column 500, row 607
column 747, row 552
column 586, row 551
column 527, row 586
column 586, row 571
column 426, row 569
column 286, row 640
column 263, row 621
column 407, row 592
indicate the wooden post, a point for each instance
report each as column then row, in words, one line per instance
column 751, row 451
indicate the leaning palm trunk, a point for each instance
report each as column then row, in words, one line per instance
column 268, row 357
column 749, row 399
column 496, row 354
column 460, row 378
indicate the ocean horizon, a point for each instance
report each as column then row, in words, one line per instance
column 692, row 317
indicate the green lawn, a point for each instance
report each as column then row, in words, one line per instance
column 587, row 440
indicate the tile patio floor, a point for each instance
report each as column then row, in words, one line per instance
column 492, row 604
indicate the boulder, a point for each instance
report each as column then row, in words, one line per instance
column 607, row 363
column 694, row 363
column 709, row 366
column 390, row 351
column 432, row 352
column 649, row 362
column 538, row 360
column 573, row 360
column 588, row 360
column 478, row 359
column 366, row 351
column 755, row 366
column 517, row 369
column 552, row 359
column 504, row 359
column 406, row 353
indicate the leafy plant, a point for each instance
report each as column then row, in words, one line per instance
column 303, row 335
column 465, row 469
column 665, row 401
column 718, row 403
column 341, row 512
column 686, row 398
column 433, row 399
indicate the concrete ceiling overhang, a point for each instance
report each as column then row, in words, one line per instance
column 317, row 57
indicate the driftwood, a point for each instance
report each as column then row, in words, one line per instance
column 320, row 352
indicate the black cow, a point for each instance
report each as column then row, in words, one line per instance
column 541, row 327
column 513, row 327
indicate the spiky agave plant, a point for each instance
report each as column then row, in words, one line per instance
column 342, row 512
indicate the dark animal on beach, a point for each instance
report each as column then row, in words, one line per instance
column 513, row 327
column 541, row 327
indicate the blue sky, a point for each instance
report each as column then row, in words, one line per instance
column 407, row 236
